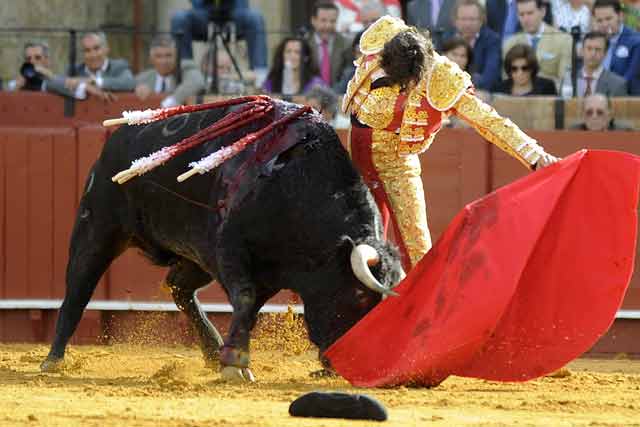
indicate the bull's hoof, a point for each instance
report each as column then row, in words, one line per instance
column 323, row 373
column 235, row 374
column 51, row 365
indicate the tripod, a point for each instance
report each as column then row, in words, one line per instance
column 221, row 32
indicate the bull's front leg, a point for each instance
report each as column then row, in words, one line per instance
column 246, row 300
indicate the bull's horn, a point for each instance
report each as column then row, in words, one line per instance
column 361, row 257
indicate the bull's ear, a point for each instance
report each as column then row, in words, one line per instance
column 345, row 246
column 348, row 239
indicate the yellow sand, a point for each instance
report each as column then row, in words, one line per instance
column 150, row 385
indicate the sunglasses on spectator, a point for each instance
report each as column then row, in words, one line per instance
column 515, row 68
column 592, row 112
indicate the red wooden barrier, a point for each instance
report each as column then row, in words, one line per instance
column 24, row 108
column 31, row 189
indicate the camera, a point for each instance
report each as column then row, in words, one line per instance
column 33, row 79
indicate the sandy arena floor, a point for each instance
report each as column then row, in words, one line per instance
column 145, row 385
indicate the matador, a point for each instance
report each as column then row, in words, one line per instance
column 393, row 121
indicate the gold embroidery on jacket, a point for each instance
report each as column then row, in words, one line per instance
column 446, row 83
column 378, row 107
column 360, row 82
column 413, row 138
column 380, row 32
column 498, row 130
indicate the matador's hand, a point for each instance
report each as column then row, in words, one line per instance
column 545, row 160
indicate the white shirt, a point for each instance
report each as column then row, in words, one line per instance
column 566, row 17
column 168, row 83
column 582, row 80
column 538, row 34
column 81, row 90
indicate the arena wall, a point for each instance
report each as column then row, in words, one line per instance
column 45, row 154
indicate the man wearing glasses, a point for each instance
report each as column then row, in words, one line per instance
column 597, row 115
column 35, row 73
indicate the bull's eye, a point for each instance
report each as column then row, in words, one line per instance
column 85, row 213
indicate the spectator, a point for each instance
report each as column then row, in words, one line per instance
column 162, row 78
column 469, row 19
column 571, row 13
column 592, row 77
column 294, row 70
column 596, row 115
column 521, row 66
column 623, row 54
column 331, row 50
column 99, row 75
column 435, row 15
column 458, row 50
column 551, row 46
column 249, row 23
column 502, row 17
column 229, row 82
column 350, row 69
column 35, row 73
column 356, row 15
column 325, row 101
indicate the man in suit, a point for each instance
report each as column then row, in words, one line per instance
column 35, row 72
column 469, row 19
column 163, row 79
column 623, row 54
column 552, row 46
column 332, row 49
column 502, row 17
column 592, row 77
column 99, row 75
column 434, row 15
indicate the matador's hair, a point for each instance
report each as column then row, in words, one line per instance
column 405, row 57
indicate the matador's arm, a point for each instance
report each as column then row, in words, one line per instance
column 501, row 132
column 449, row 89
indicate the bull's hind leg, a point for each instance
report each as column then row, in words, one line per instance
column 93, row 248
column 184, row 279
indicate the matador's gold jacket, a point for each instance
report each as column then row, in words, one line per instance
column 417, row 116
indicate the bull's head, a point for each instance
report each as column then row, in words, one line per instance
column 365, row 273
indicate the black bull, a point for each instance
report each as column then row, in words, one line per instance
column 285, row 213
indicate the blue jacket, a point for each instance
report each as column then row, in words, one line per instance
column 487, row 59
column 625, row 60
column 497, row 13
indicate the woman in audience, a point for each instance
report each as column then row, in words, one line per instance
column 294, row 70
column 459, row 51
column 521, row 66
